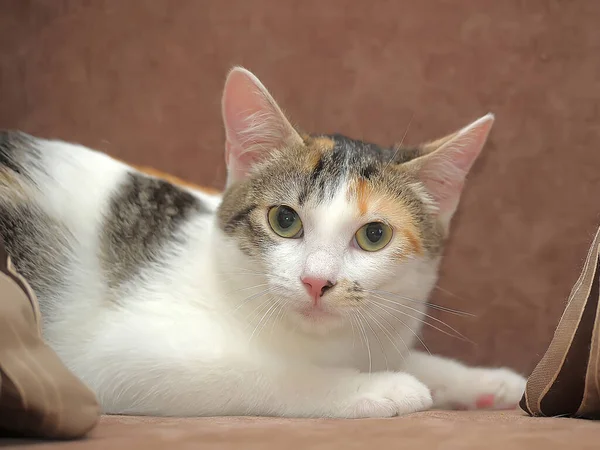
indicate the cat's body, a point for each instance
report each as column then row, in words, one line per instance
column 169, row 300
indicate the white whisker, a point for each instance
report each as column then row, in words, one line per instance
column 242, row 273
column 458, row 335
column 265, row 315
column 389, row 334
column 451, row 294
column 399, row 146
column 364, row 332
column 252, row 297
column 247, row 288
column 280, row 313
column 353, row 331
column 422, row 302
column 403, row 324
column 387, row 366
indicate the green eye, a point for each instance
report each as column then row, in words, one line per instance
column 374, row 236
column 285, row 222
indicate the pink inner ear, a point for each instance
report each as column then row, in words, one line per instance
column 238, row 162
column 443, row 172
column 444, row 182
column 254, row 124
column 242, row 101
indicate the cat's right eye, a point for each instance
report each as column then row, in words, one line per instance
column 373, row 236
column 285, row 222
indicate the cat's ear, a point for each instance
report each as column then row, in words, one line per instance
column 254, row 125
column 446, row 162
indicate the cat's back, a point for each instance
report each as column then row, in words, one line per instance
column 84, row 227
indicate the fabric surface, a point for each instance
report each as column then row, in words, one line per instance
column 428, row 430
column 38, row 395
column 566, row 381
column 142, row 81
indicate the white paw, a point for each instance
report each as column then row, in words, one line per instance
column 388, row 394
column 483, row 389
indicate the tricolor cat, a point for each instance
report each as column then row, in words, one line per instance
column 298, row 292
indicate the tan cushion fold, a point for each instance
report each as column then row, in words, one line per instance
column 39, row 396
column 566, row 380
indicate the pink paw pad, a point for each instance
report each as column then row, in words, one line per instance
column 485, row 401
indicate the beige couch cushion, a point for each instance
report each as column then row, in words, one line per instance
column 38, row 395
column 566, row 382
column 429, row 430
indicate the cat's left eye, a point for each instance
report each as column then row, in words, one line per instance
column 373, row 236
column 284, row 221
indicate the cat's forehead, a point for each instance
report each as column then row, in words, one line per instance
column 327, row 162
column 339, row 155
column 324, row 165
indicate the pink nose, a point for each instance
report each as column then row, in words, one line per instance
column 316, row 287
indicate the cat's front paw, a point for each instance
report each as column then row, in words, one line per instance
column 483, row 389
column 388, row 394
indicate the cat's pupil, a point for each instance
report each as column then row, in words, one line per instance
column 374, row 232
column 285, row 217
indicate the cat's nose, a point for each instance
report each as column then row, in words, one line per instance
column 316, row 287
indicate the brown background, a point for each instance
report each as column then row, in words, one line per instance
column 141, row 80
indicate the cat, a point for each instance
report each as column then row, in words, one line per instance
column 298, row 292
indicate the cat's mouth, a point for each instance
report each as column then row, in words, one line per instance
column 316, row 313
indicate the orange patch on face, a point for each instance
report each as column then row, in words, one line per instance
column 362, row 195
column 401, row 219
column 322, row 143
column 317, row 146
column 413, row 241
column 360, row 190
column 176, row 180
column 313, row 160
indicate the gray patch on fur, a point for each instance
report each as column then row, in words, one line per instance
column 39, row 248
column 354, row 158
column 143, row 218
column 17, row 151
column 238, row 215
column 38, row 245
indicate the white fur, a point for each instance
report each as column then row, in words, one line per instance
column 196, row 337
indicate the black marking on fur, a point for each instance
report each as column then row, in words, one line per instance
column 361, row 154
column 367, row 171
column 354, row 158
column 258, row 237
column 303, row 195
column 143, row 218
column 348, row 157
column 7, row 148
column 405, row 154
column 317, row 170
column 240, row 218
column 14, row 145
column 39, row 248
column 241, row 224
column 356, row 287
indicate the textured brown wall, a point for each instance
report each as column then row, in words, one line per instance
column 141, row 80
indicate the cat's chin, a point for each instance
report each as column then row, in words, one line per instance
column 317, row 320
column 312, row 313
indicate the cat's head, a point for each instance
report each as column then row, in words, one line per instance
column 334, row 223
